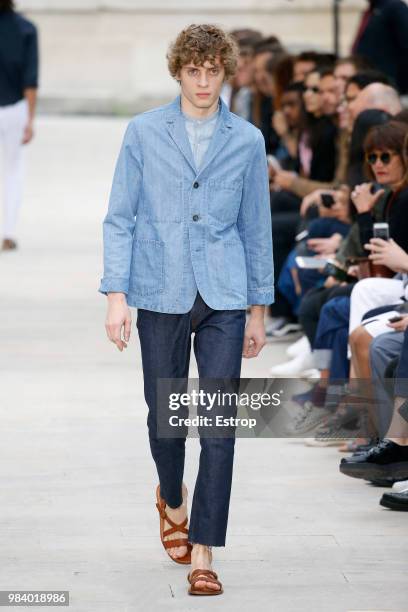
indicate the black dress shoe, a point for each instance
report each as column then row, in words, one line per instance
column 384, row 461
column 387, row 482
column 395, row 501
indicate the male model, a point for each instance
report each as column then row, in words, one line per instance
column 18, row 93
column 188, row 242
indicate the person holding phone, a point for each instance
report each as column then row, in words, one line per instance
column 386, row 155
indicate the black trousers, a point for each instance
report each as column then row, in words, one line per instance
column 285, row 221
column 312, row 304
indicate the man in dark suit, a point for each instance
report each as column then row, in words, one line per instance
column 382, row 39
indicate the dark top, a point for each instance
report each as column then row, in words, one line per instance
column 394, row 211
column 322, row 138
column 262, row 118
column 384, row 40
column 18, row 57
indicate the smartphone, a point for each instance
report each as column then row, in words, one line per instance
column 381, row 230
column 301, row 235
column 327, row 200
column 339, row 274
column 311, row 263
column 273, row 162
column 395, row 319
column 375, row 187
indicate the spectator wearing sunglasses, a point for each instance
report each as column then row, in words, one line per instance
column 386, row 149
column 317, row 148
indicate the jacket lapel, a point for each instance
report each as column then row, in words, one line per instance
column 177, row 130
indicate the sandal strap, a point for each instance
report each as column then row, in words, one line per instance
column 172, row 530
column 206, row 575
column 174, row 526
column 175, row 543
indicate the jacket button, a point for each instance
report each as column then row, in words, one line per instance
column 196, row 217
column 196, row 185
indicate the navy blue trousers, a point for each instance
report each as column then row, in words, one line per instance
column 165, row 341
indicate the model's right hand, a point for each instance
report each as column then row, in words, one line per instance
column 118, row 318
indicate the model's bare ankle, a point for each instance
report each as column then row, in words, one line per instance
column 201, row 554
column 201, row 548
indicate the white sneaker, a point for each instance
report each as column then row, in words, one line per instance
column 307, row 420
column 400, row 487
column 321, row 441
column 299, row 347
column 294, row 367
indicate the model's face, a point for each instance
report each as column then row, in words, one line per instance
column 301, row 69
column 329, row 97
column 387, row 166
column 292, row 108
column 311, row 94
column 201, row 85
column 342, row 74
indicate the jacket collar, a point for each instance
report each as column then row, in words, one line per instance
column 175, row 123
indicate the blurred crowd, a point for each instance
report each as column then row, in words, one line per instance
column 336, row 137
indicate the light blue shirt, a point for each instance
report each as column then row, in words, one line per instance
column 173, row 229
column 200, row 132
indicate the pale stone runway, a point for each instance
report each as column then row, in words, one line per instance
column 77, row 481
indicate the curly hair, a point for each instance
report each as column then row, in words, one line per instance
column 201, row 43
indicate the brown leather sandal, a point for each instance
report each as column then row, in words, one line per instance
column 207, row 576
column 181, row 527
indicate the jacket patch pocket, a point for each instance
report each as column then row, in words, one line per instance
column 235, row 255
column 147, row 269
column 164, row 199
column 224, row 199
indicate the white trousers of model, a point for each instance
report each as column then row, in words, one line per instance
column 13, row 120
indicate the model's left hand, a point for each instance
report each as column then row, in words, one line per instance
column 254, row 338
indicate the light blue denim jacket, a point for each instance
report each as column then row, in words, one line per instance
column 172, row 229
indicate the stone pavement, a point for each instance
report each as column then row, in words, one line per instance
column 77, row 482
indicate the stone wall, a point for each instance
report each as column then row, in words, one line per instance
column 109, row 55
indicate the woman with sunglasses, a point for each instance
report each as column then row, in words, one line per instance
column 386, row 200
